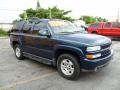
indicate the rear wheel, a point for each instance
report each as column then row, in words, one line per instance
column 68, row 66
column 94, row 32
column 18, row 52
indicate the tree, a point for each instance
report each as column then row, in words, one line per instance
column 45, row 13
column 91, row 19
column 88, row 19
column 100, row 19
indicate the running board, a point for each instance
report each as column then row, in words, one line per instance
column 37, row 58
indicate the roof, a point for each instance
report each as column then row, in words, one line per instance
column 31, row 20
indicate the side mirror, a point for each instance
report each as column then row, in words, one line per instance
column 44, row 33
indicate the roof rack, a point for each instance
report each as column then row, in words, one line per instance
column 34, row 19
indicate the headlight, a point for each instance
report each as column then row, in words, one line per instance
column 95, row 48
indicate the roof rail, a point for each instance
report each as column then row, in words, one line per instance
column 31, row 20
column 34, row 19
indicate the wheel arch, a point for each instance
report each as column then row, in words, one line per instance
column 94, row 32
column 69, row 50
column 14, row 43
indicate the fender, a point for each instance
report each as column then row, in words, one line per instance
column 70, row 48
column 65, row 47
column 16, row 38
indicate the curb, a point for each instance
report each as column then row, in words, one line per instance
column 4, row 37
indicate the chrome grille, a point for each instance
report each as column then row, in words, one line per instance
column 105, row 46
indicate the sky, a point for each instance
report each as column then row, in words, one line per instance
column 10, row 9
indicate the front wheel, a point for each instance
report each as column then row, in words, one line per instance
column 18, row 52
column 68, row 66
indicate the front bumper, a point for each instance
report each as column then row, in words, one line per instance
column 93, row 65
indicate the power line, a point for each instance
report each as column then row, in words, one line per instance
column 11, row 10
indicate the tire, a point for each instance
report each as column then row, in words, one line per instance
column 94, row 32
column 18, row 52
column 72, row 70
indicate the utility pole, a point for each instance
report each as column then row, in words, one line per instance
column 25, row 15
column 118, row 15
column 38, row 5
column 50, row 14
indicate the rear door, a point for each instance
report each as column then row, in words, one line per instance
column 115, row 29
column 107, row 29
column 27, row 37
column 16, row 29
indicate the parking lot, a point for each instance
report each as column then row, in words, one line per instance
column 32, row 75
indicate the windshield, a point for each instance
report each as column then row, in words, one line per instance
column 63, row 27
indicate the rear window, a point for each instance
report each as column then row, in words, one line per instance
column 96, row 25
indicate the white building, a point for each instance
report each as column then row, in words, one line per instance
column 6, row 26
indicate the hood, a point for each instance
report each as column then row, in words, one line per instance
column 86, row 39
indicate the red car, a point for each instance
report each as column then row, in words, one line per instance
column 105, row 28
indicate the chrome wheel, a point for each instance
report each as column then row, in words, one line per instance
column 17, row 52
column 67, row 67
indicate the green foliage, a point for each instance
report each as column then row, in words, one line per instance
column 100, row 19
column 45, row 13
column 91, row 19
column 88, row 19
column 3, row 32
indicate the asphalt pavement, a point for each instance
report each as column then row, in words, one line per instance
column 32, row 75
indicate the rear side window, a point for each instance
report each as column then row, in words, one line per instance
column 18, row 25
column 116, row 25
column 96, row 25
column 107, row 25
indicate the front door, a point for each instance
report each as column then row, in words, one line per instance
column 42, row 45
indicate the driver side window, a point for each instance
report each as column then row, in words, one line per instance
column 40, row 28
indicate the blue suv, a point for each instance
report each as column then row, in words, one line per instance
column 59, row 43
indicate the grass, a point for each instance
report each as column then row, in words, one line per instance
column 3, row 33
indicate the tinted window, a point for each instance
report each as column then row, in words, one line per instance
column 107, row 25
column 95, row 25
column 18, row 25
column 27, row 27
column 38, row 27
column 116, row 25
